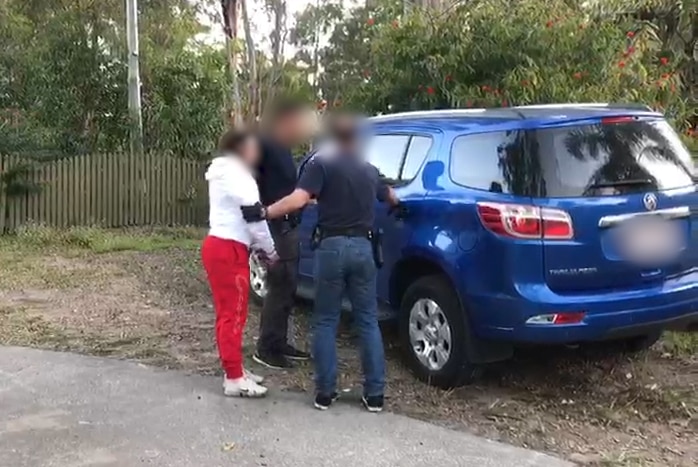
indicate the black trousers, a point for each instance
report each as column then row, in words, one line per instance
column 282, row 279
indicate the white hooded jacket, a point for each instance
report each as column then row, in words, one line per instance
column 231, row 185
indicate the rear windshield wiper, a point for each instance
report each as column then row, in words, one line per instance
column 629, row 182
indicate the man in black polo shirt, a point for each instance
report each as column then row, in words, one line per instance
column 346, row 187
column 277, row 178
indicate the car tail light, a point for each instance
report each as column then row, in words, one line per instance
column 569, row 317
column 522, row 221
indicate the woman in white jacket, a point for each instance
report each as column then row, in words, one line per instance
column 225, row 253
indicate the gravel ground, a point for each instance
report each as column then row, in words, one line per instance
column 153, row 305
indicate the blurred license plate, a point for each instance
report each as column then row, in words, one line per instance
column 651, row 240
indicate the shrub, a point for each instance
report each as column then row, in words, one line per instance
column 498, row 53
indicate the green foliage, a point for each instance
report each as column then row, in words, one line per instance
column 63, row 78
column 63, row 87
column 499, row 53
column 488, row 53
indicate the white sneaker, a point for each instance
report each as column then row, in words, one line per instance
column 256, row 378
column 243, row 387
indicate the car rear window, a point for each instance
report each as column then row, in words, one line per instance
column 614, row 157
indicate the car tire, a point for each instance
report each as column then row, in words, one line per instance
column 439, row 304
column 258, row 281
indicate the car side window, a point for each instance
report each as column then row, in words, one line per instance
column 416, row 153
column 385, row 152
column 494, row 162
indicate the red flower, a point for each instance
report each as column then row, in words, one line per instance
column 549, row 24
column 430, row 90
column 577, row 75
column 630, row 34
column 621, row 64
column 664, row 60
column 370, row 21
column 524, row 83
column 396, row 24
column 486, row 88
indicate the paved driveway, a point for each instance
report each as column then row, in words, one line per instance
column 64, row 410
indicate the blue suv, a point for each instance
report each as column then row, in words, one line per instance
column 551, row 224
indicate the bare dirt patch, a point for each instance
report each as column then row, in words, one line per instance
column 154, row 306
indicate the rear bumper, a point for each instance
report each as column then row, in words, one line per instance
column 674, row 305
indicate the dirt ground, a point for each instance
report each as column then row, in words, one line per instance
column 144, row 297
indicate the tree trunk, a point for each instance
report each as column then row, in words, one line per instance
column 253, row 100
column 230, row 27
column 278, row 37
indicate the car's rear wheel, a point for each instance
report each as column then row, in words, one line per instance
column 433, row 334
column 258, row 280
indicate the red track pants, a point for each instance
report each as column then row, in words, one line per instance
column 228, row 270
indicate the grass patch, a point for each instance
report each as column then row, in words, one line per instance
column 21, row 328
column 98, row 240
column 681, row 344
column 44, row 257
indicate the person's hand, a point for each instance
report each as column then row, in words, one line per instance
column 267, row 259
column 254, row 213
column 398, row 210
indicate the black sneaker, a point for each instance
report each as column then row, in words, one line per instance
column 323, row 401
column 373, row 403
column 272, row 360
column 293, row 353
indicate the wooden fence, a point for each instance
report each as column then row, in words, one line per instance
column 109, row 190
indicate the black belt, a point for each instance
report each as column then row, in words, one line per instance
column 373, row 236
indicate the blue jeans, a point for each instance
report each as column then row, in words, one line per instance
column 345, row 264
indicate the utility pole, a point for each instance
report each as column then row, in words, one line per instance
column 134, row 79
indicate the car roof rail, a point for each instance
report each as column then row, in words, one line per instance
column 445, row 113
column 598, row 105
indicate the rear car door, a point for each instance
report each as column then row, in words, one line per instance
column 626, row 186
column 398, row 157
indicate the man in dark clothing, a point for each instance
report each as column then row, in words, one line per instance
column 277, row 178
column 346, row 188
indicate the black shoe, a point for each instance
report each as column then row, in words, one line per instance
column 293, row 353
column 373, row 403
column 323, row 401
column 275, row 361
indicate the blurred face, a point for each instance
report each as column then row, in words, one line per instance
column 346, row 134
column 249, row 151
column 297, row 127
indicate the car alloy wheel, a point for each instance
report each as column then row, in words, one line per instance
column 430, row 334
column 258, row 278
column 434, row 333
